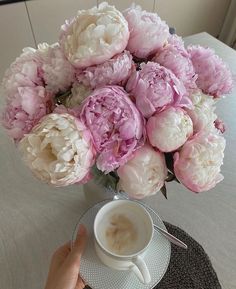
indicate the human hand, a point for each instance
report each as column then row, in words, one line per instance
column 65, row 264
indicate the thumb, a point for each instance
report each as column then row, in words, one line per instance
column 79, row 244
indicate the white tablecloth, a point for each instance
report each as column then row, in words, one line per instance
column 35, row 218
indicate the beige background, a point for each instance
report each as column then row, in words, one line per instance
column 15, row 33
column 193, row 16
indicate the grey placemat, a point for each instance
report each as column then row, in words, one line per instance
column 188, row 269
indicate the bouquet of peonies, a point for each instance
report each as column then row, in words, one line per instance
column 121, row 96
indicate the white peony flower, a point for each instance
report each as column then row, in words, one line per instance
column 203, row 113
column 197, row 164
column 78, row 94
column 58, row 150
column 144, row 175
column 169, row 129
column 58, row 73
column 94, row 35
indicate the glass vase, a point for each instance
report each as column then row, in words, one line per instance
column 101, row 187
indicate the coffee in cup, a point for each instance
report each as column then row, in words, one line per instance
column 121, row 234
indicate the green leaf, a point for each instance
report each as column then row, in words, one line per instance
column 169, row 162
column 164, row 191
column 106, row 180
column 170, row 177
column 61, row 97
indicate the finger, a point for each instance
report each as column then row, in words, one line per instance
column 79, row 245
column 80, row 241
column 63, row 249
column 80, row 284
column 59, row 257
column 62, row 252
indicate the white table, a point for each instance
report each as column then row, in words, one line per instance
column 35, row 218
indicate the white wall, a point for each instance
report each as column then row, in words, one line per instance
column 123, row 4
column 47, row 16
column 228, row 31
column 193, row 16
column 15, row 33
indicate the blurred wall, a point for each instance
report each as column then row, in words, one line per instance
column 193, row 16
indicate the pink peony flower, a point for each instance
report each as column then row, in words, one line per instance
column 176, row 41
column 114, row 71
column 155, row 87
column 46, row 66
column 214, row 77
column 197, row 164
column 25, row 71
column 176, row 58
column 169, row 129
column 94, row 36
column 143, row 175
column 116, row 126
column 24, row 110
column 59, row 150
column 148, row 32
column 27, row 101
column 58, row 73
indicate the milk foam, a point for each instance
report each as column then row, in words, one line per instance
column 123, row 231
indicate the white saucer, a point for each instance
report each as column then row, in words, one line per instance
column 98, row 276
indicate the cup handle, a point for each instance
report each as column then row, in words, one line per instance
column 140, row 269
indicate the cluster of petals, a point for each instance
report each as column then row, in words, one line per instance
column 144, row 174
column 59, row 150
column 148, row 32
column 24, row 110
column 169, row 129
column 25, row 71
column 115, row 124
column 197, row 165
column 176, row 58
column 113, row 71
column 27, row 100
column 155, row 87
column 203, row 112
column 214, row 76
column 58, row 73
column 94, row 35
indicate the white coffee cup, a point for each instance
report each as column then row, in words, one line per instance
column 123, row 231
